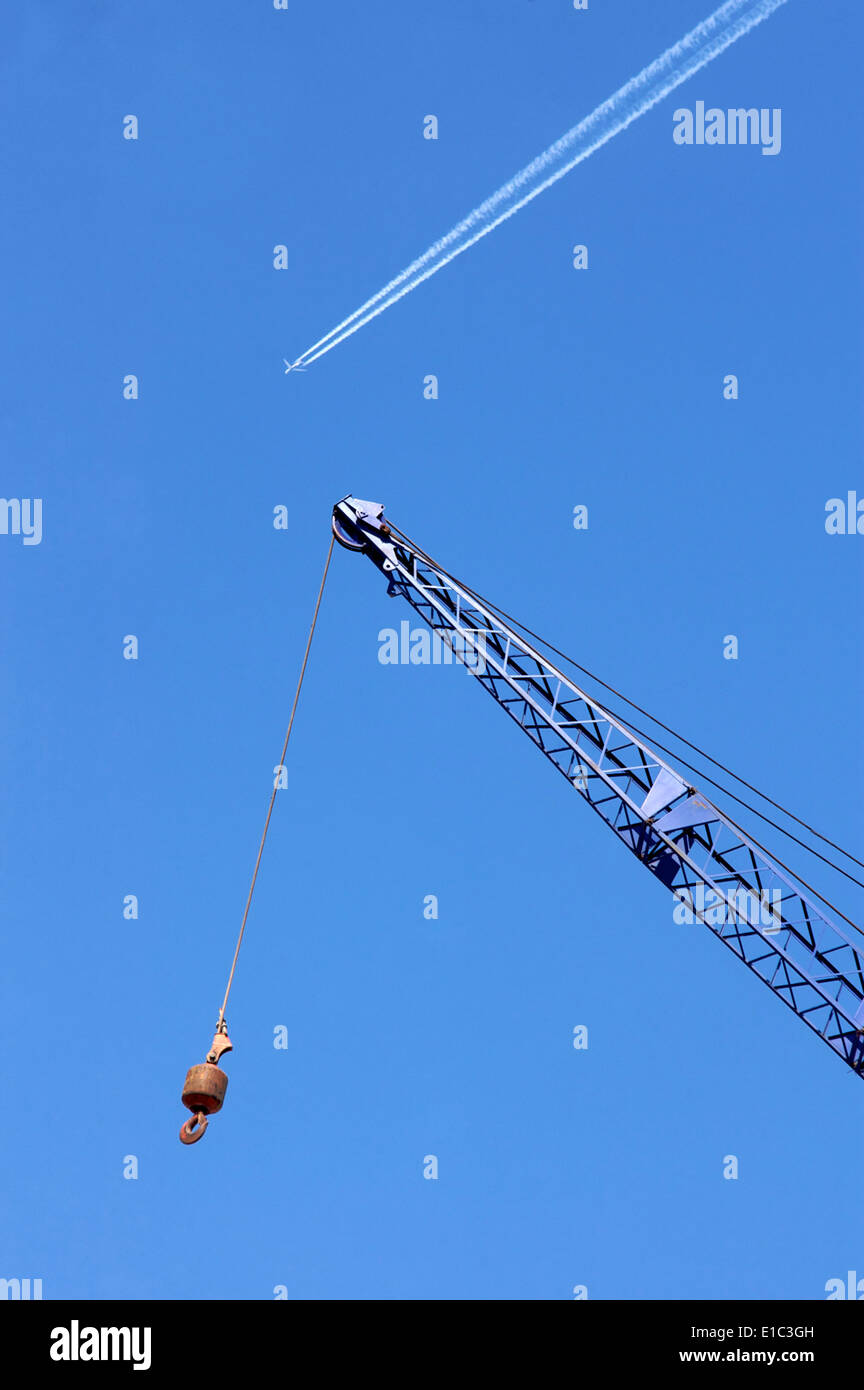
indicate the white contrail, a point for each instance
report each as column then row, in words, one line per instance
column 707, row 41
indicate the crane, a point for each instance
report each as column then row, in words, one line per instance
column 757, row 906
column 758, row 909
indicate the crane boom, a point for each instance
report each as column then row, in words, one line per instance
column 697, row 851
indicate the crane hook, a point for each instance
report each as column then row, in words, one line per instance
column 192, row 1129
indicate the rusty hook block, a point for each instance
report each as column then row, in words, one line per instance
column 205, row 1087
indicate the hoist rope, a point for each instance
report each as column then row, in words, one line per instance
column 275, row 786
column 507, row 617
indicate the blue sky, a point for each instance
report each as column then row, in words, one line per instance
column 151, row 777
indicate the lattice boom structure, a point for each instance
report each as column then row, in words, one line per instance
column 677, row 832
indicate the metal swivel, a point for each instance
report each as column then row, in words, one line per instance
column 204, row 1089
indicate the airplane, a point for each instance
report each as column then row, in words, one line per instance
column 292, row 366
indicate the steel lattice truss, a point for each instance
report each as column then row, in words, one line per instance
column 702, row 856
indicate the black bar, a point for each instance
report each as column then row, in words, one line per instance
column 253, row 1337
